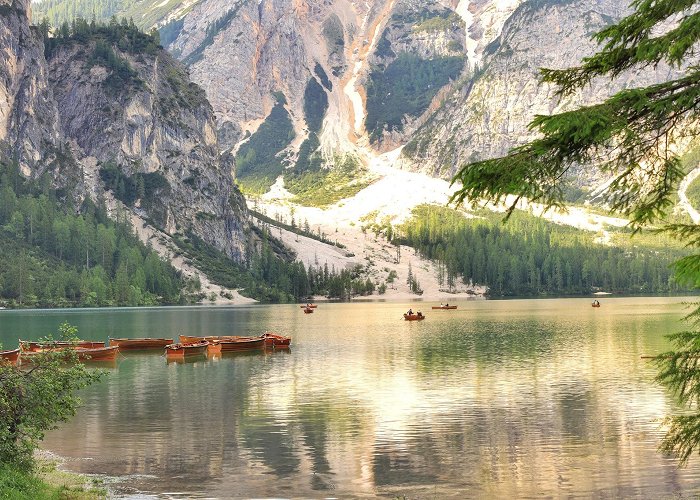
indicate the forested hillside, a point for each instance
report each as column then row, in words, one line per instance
column 55, row 257
column 144, row 12
column 529, row 256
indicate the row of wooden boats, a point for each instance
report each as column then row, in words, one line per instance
column 187, row 346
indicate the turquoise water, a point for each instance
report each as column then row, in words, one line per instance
column 496, row 399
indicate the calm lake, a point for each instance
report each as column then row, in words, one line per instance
column 518, row 398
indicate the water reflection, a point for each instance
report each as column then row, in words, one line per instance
column 505, row 399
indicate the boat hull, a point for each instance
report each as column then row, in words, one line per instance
column 229, row 343
column 242, row 344
column 274, row 340
column 97, row 354
column 413, row 317
column 83, row 353
column 446, row 308
column 31, row 346
column 11, row 357
column 312, row 306
column 186, row 349
column 140, row 344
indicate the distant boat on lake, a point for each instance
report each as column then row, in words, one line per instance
column 413, row 317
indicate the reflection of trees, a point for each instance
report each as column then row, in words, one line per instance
column 270, row 443
column 500, row 407
column 486, row 341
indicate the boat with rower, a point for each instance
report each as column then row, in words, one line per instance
column 445, row 307
column 413, row 317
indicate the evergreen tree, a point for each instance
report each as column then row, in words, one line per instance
column 636, row 132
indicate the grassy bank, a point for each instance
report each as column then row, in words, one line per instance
column 47, row 482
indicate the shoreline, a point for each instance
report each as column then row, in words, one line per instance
column 399, row 298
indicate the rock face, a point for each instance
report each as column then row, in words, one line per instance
column 490, row 113
column 243, row 51
column 152, row 124
column 28, row 117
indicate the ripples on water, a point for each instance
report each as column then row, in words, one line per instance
column 497, row 399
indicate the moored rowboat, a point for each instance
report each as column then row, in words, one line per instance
column 242, row 344
column 147, row 343
column 413, row 317
column 10, row 356
column 31, row 346
column 188, row 339
column 186, row 349
column 83, row 353
column 214, row 347
column 274, row 340
column 229, row 343
column 97, row 353
column 445, row 307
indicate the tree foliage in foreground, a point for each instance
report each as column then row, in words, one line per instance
column 633, row 137
column 37, row 397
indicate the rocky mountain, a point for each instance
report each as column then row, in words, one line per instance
column 488, row 114
column 103, row 107
column 304, row 84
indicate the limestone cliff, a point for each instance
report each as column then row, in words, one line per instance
column 109, row 101
column 489, row 114
column 28, row 117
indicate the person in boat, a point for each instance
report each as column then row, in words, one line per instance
column 447, row 305
column 596, row 303
column 410, row 312
column 420, row 314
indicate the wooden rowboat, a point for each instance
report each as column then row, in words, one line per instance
column 186, row 349
column 11, row 357
column 308, row 310
column 133, row 344
column 595, row 305
column 83, row 353
column 229, row 343
column 445, row 307
column 97, row 353
column 31, row 346
column 242, row 344
column 413, row 317
column 274, row 340
column 310, row 306
column 189, row 339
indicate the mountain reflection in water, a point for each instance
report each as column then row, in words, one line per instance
column 498, row 398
